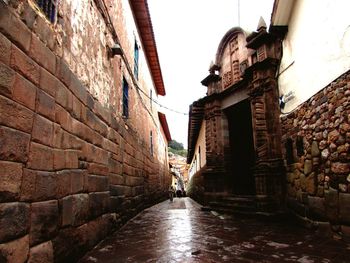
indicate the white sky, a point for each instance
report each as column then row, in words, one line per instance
column 187, row 34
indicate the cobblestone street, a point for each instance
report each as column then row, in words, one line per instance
column 181, row 232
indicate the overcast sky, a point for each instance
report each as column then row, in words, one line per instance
column 187, row 34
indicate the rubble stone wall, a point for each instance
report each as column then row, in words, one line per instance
column 71, row 168
column 316, row 137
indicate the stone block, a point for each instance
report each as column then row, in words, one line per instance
column 14, row 220
column 28, row 185
column 63, row 72
column 10, row 181
column 113, row 136
column 24, row 92
column 77, row 181
column 117, row 190
column 14, row 145
column 59, row 160
column 71, row 158
column 331, row 204
column 110, row 146
column 75, row 209
column 46, row 185
column 63, row 96
column 48, row 82
column 24, row 65
column 310, row 184
column 45, row 105
column 28, row 15
column 63, row 118
column 315, row 151
column 78, row 89
column 42, row 253
column 307, row 167
column 116, row 179
column 63, row 183
column 69, row 245
column 5, row 50
column 14, row 28
column 98, row 203
column 77, row 108
column 44, row 221
column 344, row 207
column 98, row 169
column 40, row 157
column 15, row 251
column 7, row 78
column 45, row 32
column 15, row 115
column 42, row 54
column 57, row 136
column 95, row 183
column 333, row 136
column 42, row 131
column 134, row 181
column 340, row 168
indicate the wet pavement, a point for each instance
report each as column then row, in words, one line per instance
column 181, row 232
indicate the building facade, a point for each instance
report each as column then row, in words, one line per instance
column 239, row 121
column 276, row 115
column 83, row 147
column 314, row 86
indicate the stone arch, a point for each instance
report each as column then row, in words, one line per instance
column 225, row 40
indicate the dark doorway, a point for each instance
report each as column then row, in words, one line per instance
column 241, row 148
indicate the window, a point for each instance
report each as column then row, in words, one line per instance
column 125, row 99
column 49, row 7
column 151, row 142
column 300, row 146
column 199, row 156
column 136, row 60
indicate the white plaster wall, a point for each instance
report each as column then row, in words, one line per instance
column 316, row 49
column 194, row 167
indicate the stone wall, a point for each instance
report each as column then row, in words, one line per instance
column 316, row 137
column 71, row 168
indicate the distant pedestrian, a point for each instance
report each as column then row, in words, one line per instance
column 171, row 193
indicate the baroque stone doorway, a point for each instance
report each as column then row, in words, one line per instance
column 242, row 154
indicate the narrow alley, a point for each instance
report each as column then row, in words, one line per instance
column 181, row 232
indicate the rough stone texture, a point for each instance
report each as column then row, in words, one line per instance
column 44, row 221
column 42, row 253
column 326, row 149
column 15, row 251
column 63, row 141
column 14, row 220
column 10, row 181
column 75, row 209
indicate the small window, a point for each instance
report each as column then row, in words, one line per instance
column 136, row 60
column 199, row 156
column 300, row 146
column 125, row 99
column 151, row 142
column 49, row 7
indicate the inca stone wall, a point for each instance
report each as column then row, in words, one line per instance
column 317, row 142
column 71, row 168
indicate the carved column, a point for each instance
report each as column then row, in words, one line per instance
column 269, row 168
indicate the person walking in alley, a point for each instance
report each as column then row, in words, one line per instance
column 171, row 193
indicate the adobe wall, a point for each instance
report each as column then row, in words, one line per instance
column 71, row 169
column 318, row 173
